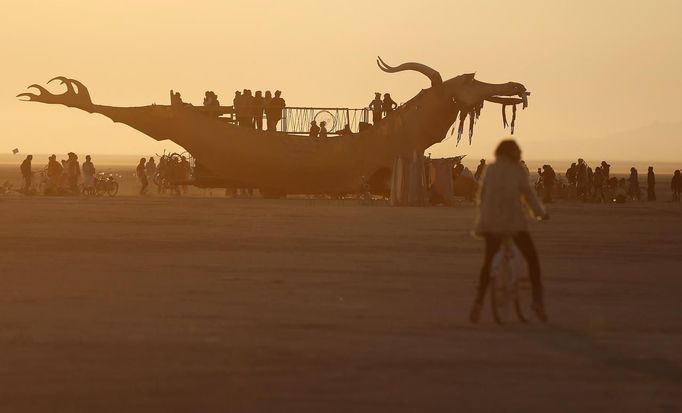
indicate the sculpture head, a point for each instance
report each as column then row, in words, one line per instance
column 463, row 94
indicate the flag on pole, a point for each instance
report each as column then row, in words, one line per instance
column 15, row 151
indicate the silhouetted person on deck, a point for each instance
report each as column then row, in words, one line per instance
column 26, row 172
column 267, row 103
column 142, row 176
column 176, row 99
column 633, row 180
column 247, row 109
column 314, row 130
column 323, row 130
column 211, row 99
column 237, row 107
column 346, row 130
column 258, row 108
column 388, row 105
column 274, row 114
column 376, row 107
column 479, row 170
column 676, row 185
column 651, row 185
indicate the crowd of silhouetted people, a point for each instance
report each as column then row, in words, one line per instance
column 582, row 182
column 172, row 174
column 59, row 177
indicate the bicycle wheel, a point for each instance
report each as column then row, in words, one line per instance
column 112, row 188
column 501, row 294
column 522, row 299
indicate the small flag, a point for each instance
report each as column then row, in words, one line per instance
column 15, row 151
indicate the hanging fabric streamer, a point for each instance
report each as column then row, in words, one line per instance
column 472, row 117
column 460, row 129
column 504, row 116
column 513, row 118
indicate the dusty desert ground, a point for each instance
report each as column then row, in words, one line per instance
column 213, row 304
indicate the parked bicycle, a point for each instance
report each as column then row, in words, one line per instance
column 104, row 184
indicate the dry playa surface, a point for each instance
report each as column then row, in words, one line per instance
column 158, row 304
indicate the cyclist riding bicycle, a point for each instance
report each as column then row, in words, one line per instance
column 502, row 201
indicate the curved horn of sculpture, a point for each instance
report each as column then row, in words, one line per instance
column 77, row 97
column 421, row 68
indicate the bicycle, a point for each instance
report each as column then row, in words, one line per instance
column 105, row 184
column 509, row 289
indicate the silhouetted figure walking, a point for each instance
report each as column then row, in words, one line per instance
column 258, row 109
column 548, row 180
column 479, row 170
column 376, row 107
column 150, row 169
column 505, row 193
column 73, row 172
column 314, row 130
column 88, row 174
column 142, row 176
column 582, row 180
column 651, row 185
column 676, row 185
column 185, row 172
column 599, row 184
column 572, row 174
column 633, row 180
column 323, row 130
column 274, row 115
column 606, row 170
column 54, row 175
column 388, row 105
column 26, row 172
column 525, row 169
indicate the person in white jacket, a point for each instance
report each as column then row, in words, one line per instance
column 503, row 200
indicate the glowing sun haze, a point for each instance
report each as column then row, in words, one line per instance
column 594, row 68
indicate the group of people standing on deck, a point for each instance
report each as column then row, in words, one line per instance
column 250, row 109
column 381, row 108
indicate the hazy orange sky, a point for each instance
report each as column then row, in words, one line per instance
column 594, row 68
